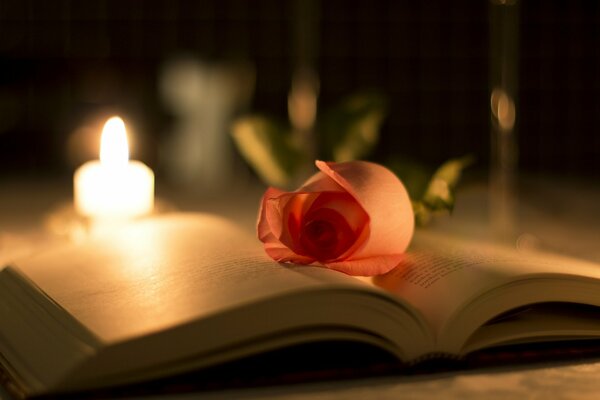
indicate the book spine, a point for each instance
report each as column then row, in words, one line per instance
column 435, row 356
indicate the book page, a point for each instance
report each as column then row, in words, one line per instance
column 173, row 292
column 538, row 323
column 164, row 271
column 442, row 276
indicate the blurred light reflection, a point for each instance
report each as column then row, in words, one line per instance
column 503, row 109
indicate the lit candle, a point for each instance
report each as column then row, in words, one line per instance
column 114, row 187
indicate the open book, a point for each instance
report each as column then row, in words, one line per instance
column 185, row 291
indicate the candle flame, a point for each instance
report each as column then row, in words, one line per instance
column 114, row 149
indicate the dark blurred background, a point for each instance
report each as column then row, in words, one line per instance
column 68, row 64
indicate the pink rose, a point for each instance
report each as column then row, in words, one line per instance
column 355, row 217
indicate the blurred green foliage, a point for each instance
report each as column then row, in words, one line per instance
column 431, row 191
column 348, row 131
column 268, row 146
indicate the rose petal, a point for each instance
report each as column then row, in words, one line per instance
column 345, row 204
column 274, row 232
column 353, row 214
column 320, row 182
column 262, row 226
column 284, row 215
column 279, row 210
column 326, row 235
column 374, row 265
column 281, row 253
column 386, row 202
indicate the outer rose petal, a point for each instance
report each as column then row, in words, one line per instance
column 281, row 253
column 388, row 206
column 368, row 266
column 270, row 206
column 262, row 226
column 320, row 182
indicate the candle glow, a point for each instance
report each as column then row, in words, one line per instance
column 114, row 187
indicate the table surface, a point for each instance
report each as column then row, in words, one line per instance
column 556, row 215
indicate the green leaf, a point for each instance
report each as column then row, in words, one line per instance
column 414, row 175
column 422, row 213
column 350, row 131
column 267, row 146
column 440, row 190
column 431, row 192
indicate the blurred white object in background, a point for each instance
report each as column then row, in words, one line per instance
column 203, row 97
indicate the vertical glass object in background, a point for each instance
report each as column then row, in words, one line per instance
column 504, row 34
column 304, row 90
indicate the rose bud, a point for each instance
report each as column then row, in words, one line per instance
column 354, row 217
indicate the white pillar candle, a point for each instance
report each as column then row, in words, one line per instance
column 114, row 187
